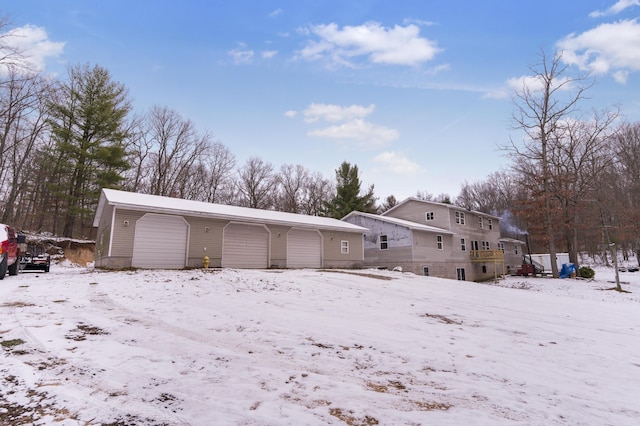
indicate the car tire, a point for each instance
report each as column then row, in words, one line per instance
column 46, row 268
column 3, row 268
column 13, row 269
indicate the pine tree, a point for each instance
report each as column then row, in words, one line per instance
column 348, row 198
column 88, row 130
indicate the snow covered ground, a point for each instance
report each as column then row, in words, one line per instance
column 303, row 347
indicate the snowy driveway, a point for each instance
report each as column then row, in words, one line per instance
column 309, row 347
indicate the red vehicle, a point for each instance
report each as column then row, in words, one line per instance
column 8, row 251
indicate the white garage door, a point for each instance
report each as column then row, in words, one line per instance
column 160, row 242
column 304, row 249
column 245, row 246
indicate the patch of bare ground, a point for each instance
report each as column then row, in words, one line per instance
column 82, row 330
column 442, row 318
column 38, row 408
column 432, row 405
column 351, row 420
column 80, row 254
column 16, row 305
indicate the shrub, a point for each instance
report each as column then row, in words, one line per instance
column 586, row 272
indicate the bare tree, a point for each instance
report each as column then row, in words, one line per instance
column 219, row 164
column 542, row 104
column 139, row 148
column 492, row 195
column 11, row 56
column 424, row 196
column 256, row 183
column 292, row 181
column 317, row 191
column 176, row 146
column 23, row 122
column 578, row 155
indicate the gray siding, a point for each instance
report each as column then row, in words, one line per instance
column 415, row 211
column 331, row 249
column 205, row 239
column 278, row 245
column 444, row 263
column 103, row 236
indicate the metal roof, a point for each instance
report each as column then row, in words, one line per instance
column 401, row 222
column 178, row 206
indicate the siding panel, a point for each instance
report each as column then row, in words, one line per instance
column 160, row 242
column 245, row 246
column 304, row 249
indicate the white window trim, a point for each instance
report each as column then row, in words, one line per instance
column 439, row 242
column 344, row 247
column 386, row 242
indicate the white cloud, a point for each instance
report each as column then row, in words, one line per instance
column 618, row 7
column 528, row 82
column 609, row 47
column 267, row 54
column 334, row 113
column 276, row 12
column 291, row 113
column 33, row 43
column 380, row 45
column 241, row 56
column 420, row 22
column 438, row 69
column 398, row 164
column 621, row 76
column 366, row 134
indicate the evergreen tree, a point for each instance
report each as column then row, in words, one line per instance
column 389, row 203
column 348, row 198
column 88, row 129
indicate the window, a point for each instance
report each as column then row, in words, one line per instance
column 486, row 245
column 460, row 218
column 429, row 215
column 474, row 245
column 440, row 245
column 383, row 242
column 490, row 223
column 461, row 275
column 463, row 244
column 344, row 247
column 425, row 271
column 484, row 269
column 501, row 247
column 481, row 222
column 516, row 246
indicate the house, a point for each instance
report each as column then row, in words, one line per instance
column 436, row 239
column 149, row 231
column 391, row 242
column 513, row 253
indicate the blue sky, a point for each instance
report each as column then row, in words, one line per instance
column 416, row 93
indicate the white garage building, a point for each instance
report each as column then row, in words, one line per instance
column 148, row 231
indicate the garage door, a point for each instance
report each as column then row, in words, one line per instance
column 160, row 242
column 304, row 249
column 245, row 246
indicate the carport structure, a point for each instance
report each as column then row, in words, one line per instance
column 149, row 231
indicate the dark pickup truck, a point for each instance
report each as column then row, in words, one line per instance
column 32, row 256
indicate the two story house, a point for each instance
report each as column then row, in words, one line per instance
column 436, row 239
